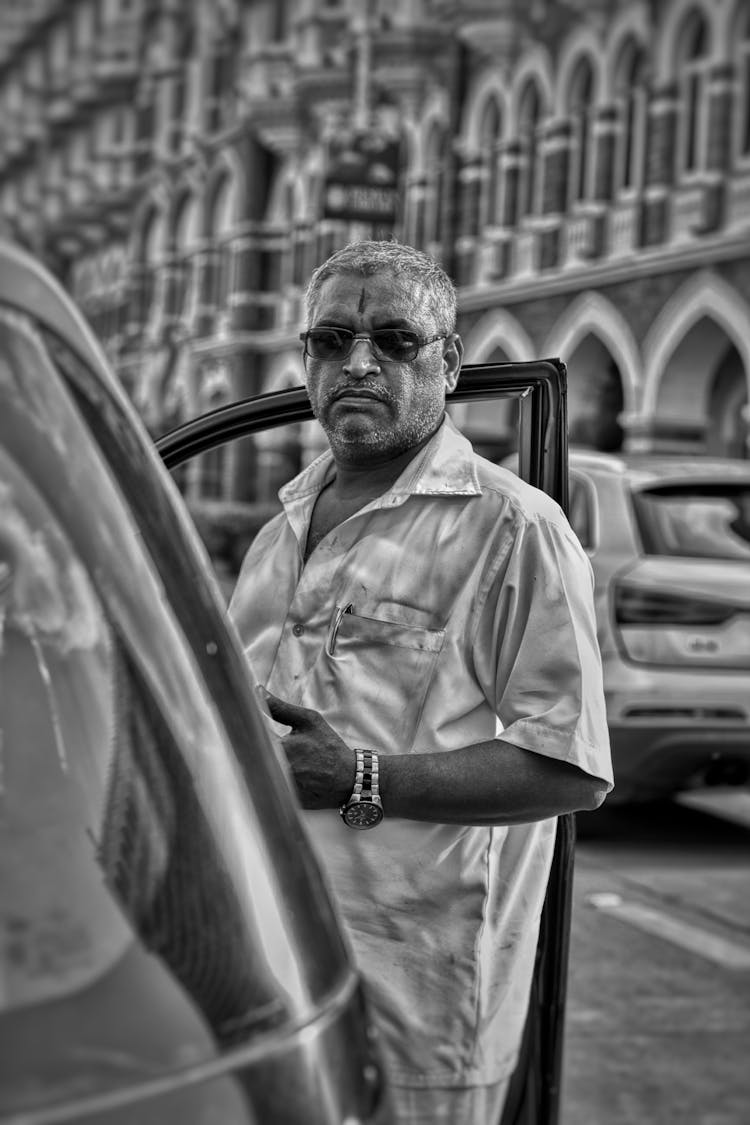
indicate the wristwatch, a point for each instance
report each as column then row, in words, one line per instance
column 364, row 809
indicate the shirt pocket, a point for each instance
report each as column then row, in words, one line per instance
column 378, row 671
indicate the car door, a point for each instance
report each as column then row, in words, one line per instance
column 539, row 386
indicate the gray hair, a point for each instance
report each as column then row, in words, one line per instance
column 370, row 257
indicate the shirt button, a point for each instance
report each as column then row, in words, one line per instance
column 298, row 629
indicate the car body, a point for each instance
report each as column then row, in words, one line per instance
column 170, row 952
column 673, row 610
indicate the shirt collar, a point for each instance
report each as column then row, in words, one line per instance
column 445, row 467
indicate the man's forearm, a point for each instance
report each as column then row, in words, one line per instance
column 491, row 782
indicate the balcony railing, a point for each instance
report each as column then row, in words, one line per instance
column 689, row 211
column 582, row 237
column 526, row 256
column 623, row 228
column 738, row 200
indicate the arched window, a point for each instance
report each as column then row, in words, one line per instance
column 580, row 101
column 632, row 99
column 742, row 65
column 529, row 114
column 490, row 132
column 692, row 66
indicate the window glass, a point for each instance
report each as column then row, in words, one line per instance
column 711, row 522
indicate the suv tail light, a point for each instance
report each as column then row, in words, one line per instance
column 661, row 627
column 636, row 605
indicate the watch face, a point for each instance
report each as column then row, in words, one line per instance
column 363, row 814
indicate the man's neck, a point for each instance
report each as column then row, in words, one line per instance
column 372, row 478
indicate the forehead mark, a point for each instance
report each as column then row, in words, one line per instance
column 362, row 300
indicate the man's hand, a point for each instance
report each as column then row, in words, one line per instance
column 322, row 764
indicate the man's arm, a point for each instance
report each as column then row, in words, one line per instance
column 492, row 782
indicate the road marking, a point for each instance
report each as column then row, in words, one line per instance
column 722, row 951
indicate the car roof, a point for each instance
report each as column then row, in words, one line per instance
column 644, row 469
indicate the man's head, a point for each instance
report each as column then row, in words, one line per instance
column 377, row 395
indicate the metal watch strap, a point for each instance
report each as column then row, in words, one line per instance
column 367, row 780
column 365, row 795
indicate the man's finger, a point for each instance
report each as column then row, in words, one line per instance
column 284, row 712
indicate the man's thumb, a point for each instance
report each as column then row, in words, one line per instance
column 282, row 711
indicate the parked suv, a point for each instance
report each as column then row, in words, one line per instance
column 669, row 542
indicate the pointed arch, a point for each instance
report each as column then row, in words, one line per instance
column 583, row 45
column 631, row 26
column 435, row 116
column 150, row 226
column 488, row 91
column 498, row 328
column 492, row 427
column 225, row 180
column 704, row 296
column 536, row 66
column 591, row 314
column 667, row 55
column 185, row 219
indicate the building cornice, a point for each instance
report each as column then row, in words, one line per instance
column 596, row 275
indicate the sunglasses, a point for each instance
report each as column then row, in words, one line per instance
column 387, row 343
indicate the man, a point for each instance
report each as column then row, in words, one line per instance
column 423, row 623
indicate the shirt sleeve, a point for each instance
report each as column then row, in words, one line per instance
column 535, row 649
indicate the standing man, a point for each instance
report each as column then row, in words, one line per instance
column 423, row 622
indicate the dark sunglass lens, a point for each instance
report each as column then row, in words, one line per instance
column 327, row 343
column 396, row 343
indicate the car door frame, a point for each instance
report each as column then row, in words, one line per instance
column 541, row 387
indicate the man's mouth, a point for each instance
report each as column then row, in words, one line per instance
column 357, row 394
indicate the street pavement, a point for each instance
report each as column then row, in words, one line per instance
column 658, row 1016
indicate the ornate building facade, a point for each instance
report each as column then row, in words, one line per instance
column 581, row 167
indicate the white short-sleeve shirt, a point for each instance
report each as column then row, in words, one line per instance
column 455, row 608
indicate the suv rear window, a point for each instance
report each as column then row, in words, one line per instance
column 695, row 521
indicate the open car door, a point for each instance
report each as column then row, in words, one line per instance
column 540, row 386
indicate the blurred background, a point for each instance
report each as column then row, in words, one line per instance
column 580, row 167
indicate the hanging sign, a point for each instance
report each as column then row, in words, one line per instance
column 361, row 182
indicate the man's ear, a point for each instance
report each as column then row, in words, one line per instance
column 453, row 355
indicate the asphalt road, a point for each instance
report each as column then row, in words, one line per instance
column 658, row 1016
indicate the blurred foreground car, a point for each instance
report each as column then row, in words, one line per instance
column 169, row 949
column 669, row 542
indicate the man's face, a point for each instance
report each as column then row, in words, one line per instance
column 373, row 408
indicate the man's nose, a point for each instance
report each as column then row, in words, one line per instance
column 361, row 360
